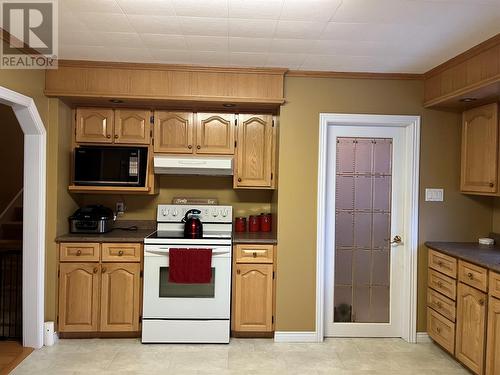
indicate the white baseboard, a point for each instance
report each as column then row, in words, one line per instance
column 299, row 336
column 423, row 337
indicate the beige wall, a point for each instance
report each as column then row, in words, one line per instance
column 11, row 153
column 459, row 217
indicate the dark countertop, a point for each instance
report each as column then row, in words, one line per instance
column 145, row 228
column 482, row 255
column 255, row 237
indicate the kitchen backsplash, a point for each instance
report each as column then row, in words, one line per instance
column 139, row 207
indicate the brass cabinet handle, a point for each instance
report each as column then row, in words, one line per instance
column 96, row 269
column 103, row 269
column 491, row 184
column 254, row 254
column 438, row 329
column 470, row 275
column 440, row 284
column 120, row 253
column 116, row 136
column 481, row 302
column 198, row 147
column 439, row 304
column 190, row 147
column 239, row 179
column 78, row 253
column 238, row 271
column 440, row 263
column 108, row 136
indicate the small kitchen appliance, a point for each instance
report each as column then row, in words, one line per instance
column 193, row 228
column 92, row 219
column 176, row 312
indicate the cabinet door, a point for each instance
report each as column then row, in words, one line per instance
column 253, row 305
column 215, row 133
column 78, row 297
column 479, row 172
column 94, row 125
column 132, row 126
column 173, row 132
column 120, row 297
column 254, row 162
column 471, row 327
column 493, row 347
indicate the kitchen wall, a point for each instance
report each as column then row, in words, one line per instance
column 244, row 202
column 458, row 218
column 11, row 150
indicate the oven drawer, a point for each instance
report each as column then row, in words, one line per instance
column 79, row 252
column 442, row 284
column 441, row 304
column 473, row 275
column 254, row 253
column 441, row 330
column 121, row 252
column 443, row 263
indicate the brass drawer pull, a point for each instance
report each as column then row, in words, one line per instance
column 438, row 329
column 120, row 253
column 481, row 302
column 440, row 263
column 96, row 269
column 470, row 275
column 440, row 284
column 238, row 272
column 439, row 305
column 78, row 253
column 103, row 269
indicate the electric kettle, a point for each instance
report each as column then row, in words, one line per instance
column 193, row 228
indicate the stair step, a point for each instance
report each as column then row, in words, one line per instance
column 12, row 230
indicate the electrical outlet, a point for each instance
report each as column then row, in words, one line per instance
column 120, row 208
column 434, row 195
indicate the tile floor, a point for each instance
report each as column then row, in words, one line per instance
column 241, row 356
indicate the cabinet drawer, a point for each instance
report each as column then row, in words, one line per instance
column 443, row 284
column 254, row 253
column 441, row 330
column 441, row 304
column 121, row 252
column 79, row 252
column 495, row 284
column 473, row 275
column 443, row 263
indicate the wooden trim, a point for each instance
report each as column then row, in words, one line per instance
column 178, row 67
column 352, row 75
column 108, row 189
column 21, row 356
column 464, row 56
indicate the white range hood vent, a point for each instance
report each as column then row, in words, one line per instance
column 191, row 165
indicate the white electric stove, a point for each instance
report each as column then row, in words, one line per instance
column 187, row 313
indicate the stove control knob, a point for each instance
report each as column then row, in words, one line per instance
column 175, row 212
column 224, row 212
column 215, row 213
column 164, row 212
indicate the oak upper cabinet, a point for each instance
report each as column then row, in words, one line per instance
column 255, row 152
column 253, row 297
column 493, row 346
column 173, row 132
column 479, row 169
column 79, row 297
column 132, row 126
column 215, row 133
column 94, row 125
column 471, row 327
column 120, row 298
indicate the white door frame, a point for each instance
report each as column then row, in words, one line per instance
column 412, row 125
column 33, row 214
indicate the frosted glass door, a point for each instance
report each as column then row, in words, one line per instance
column 363, row 180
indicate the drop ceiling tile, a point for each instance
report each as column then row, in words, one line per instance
column 251, row 28
column 249, row 44
column 70, row 23
column 311, row 10
column 284, row 60
column 101, row 6
column 76, row 52
column 213, row 58
column 105, row 21
column 248, row 59
column 124, row 40
column 204, row 26
column 79, row 38
column 299, row 29
column 300, row 46
column 155, row 24
column 167, row 56
column 257, row 9
column 207, row 43
column 370, row 31
column 163, row 41
column 126, row 54
column 147, row 7
column 204, row 8
column 360, row 48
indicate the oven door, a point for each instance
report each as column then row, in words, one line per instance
column 166, row 300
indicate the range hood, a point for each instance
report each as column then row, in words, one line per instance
column 193, row 165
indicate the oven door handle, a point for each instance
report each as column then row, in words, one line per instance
column 166, row 251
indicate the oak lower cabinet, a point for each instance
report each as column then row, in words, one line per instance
column 100, row 294
column 471, row 327
column 493, row 345
column 480, row 151
column 253, row 289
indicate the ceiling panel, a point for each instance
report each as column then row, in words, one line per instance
column 401, row 36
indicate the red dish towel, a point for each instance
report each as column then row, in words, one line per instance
column 190, row 266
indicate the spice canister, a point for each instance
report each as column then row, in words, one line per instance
column 265, row 222
column 240, row 224
column 253, row 223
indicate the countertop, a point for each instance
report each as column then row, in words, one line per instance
column 255, row 237
column 145, row 228
column 482, row 255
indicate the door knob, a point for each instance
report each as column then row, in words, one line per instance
column 396, row 239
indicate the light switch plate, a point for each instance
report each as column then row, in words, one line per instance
column 434, row 195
